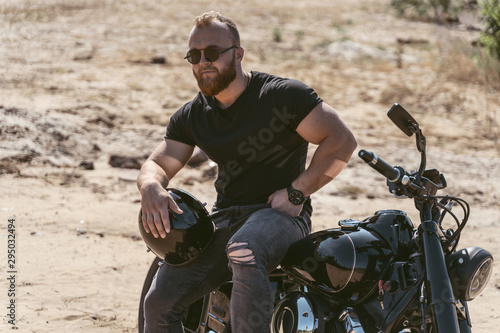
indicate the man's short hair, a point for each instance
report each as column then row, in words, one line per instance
column 207, row 19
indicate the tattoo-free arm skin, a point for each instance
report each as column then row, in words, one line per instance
column 163, row 164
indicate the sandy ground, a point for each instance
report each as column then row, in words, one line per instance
column 78, row 84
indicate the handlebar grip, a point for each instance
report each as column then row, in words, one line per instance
column 385, row 169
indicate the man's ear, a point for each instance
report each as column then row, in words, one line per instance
column 240, row 52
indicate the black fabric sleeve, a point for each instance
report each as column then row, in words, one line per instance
column 178, row 128
column 299, row 99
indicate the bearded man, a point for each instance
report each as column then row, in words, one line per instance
column 257, row 128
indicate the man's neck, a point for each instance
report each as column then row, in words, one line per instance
column 228, row 96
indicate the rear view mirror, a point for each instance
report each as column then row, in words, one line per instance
column 403, row 120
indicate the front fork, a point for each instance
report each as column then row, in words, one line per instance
column 461, row 307
column 437, row 283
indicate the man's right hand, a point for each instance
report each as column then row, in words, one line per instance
column 167, row 159
column 155, row 204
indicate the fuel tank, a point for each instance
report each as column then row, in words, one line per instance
column 347, row 262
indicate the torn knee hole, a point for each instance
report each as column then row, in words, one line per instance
column 240, row 254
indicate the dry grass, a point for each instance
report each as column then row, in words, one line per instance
column 44, row 11
column 447, row 76
column 467, row 64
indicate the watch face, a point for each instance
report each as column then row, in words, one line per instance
column 296, row 197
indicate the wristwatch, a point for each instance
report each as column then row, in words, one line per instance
column 295, row 196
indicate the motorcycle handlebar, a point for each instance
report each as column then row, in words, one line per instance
column 381, row 166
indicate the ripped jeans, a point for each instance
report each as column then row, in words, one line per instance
column 250, row 241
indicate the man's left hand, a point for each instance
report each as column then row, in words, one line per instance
column 279, row 201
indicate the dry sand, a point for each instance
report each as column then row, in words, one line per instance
column 78, row 84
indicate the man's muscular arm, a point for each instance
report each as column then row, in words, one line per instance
column 336, row 143
column 163, row 164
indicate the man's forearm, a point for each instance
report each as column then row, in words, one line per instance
column 327, row 163
column 151, row 174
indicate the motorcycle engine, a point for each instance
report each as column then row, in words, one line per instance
column 299, row 312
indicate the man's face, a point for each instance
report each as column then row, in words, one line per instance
column 213, row 77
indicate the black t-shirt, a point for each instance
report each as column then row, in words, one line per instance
column 254, row 141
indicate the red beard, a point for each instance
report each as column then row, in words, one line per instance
column 215, row 83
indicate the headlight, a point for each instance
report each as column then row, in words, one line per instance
column 470, row 270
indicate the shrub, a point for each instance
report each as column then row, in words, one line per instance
column 277, row 34
column 435, row 10
column 490, row 38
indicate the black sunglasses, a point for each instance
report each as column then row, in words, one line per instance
column 211, row 54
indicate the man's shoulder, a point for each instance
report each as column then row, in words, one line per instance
column 274, row 82
column 199, row 102
column 268, row 79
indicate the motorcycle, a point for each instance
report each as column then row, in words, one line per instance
column 380, row 274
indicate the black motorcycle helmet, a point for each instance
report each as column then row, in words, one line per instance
column 190, row 232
